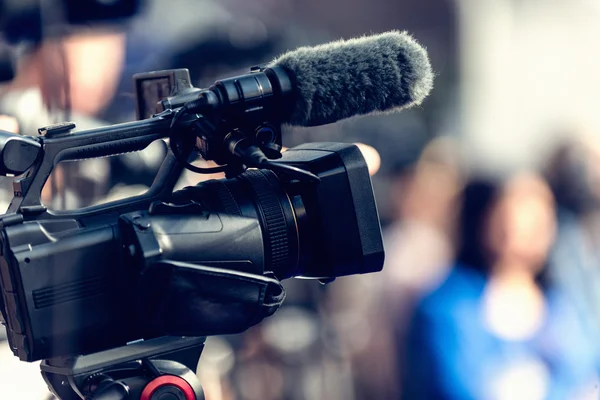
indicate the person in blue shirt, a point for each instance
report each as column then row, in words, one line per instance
column 496, row 328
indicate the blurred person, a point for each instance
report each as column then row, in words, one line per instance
column 420, row 244
column 57, row 77
column 63, row 73
column 573, row 171
column 370, row 314
column 496, row 328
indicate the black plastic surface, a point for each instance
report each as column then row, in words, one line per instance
column 18, row 153
column 344, row 230
column 65, row 302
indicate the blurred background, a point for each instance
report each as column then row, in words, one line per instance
column 488, row 193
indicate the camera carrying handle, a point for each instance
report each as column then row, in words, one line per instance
column 35, row 157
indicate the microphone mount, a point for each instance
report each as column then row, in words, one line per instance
column 236, row 123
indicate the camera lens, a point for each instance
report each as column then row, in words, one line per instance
column 259, row 194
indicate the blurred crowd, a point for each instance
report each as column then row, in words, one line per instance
column 491, row 284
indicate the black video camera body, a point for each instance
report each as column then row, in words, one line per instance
column 205, row 260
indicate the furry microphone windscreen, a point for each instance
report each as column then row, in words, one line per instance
column 372, row 74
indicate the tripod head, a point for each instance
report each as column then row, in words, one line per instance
column 158, row 369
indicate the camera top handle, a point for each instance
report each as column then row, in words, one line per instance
column 37, row 157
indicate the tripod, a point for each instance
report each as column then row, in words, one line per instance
column 158, row 369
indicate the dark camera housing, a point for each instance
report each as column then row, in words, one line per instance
column 73, row 287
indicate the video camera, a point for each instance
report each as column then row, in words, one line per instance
column 116, row 298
